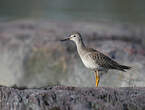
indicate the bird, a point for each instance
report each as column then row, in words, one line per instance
column 94, row 59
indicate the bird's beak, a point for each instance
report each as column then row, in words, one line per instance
column 65, row 39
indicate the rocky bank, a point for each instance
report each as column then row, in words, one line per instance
column 72, row 98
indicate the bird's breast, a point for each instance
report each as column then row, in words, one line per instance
column 88, row 61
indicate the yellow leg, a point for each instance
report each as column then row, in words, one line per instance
column 97, row 78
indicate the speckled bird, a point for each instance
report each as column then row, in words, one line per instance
column 93, row 59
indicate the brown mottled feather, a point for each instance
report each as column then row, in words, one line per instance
column 104, row 61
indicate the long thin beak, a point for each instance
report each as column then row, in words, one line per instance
column 65, row 39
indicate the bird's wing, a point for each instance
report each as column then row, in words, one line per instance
column 102, row 60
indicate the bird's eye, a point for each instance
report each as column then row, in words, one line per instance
column 74, row 36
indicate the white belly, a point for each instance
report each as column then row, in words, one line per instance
column 89, row 62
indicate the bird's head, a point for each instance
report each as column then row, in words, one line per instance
column 76, row 37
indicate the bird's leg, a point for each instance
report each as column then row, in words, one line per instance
column 97, row 78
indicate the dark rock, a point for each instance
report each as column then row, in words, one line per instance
column 72, row 98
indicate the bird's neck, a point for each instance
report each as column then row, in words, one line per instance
column 80, row 47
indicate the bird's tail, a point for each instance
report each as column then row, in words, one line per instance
column 123, row 67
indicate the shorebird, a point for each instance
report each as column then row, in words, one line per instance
column 94, row 59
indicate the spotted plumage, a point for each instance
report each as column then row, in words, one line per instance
column 104, row 61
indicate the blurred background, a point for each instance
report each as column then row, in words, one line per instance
column 31, row 56
column 128, row 11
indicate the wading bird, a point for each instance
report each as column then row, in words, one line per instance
column 93, row 59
